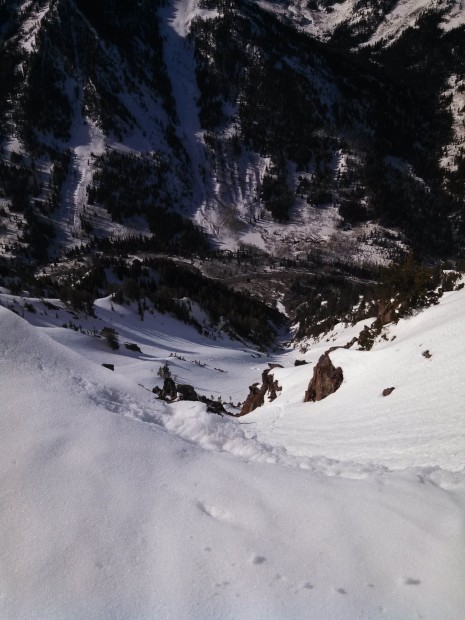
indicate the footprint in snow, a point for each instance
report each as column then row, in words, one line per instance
column 215, row 513
column 408, row 581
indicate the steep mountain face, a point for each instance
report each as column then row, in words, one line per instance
column 366, row 22
column 363, row 130
column 322, row 132
column 89, row 116
column 181, row 182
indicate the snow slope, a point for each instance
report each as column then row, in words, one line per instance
column 175, row 21
column 421, row 424
column 112, row 508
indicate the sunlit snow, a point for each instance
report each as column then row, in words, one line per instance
column 116, row 505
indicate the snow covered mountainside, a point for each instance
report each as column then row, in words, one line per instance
column 341, row 139
column 374, row 21
column 118, row 505
column 191, row 192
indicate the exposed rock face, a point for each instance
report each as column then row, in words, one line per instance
column 366, row 338
column 186, row 392
column 256, row 396
column 168, row 392
column 213, row 406
column 386, row 313
column 346, row 346
column 325, row 381
column 350, row 343
column 183, row 391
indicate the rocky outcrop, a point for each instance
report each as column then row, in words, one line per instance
column 172, row 391
column 213, row 406
column 388, row 391
column 346, row 346
column 325, row 381
column 256, row 396
column 255, row 399
column 386, row 312
column 186, row 392
column 168, row 391
column 367, row 337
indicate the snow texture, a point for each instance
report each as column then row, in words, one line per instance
column 116, row 505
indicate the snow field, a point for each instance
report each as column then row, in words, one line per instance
column 421, row 424
column 116, row 505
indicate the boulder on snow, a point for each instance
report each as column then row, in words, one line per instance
column 183, row 391
column 325, row 381
column 186, row 392
column 132, row 346
column 388, row 391
column 168, row 391
column 272, row 365
column 213, row 406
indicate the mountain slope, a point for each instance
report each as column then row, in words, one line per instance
column 235, row 118
column 141, row 143
column 92, row 481
column 370, row 21
column 421, row 423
